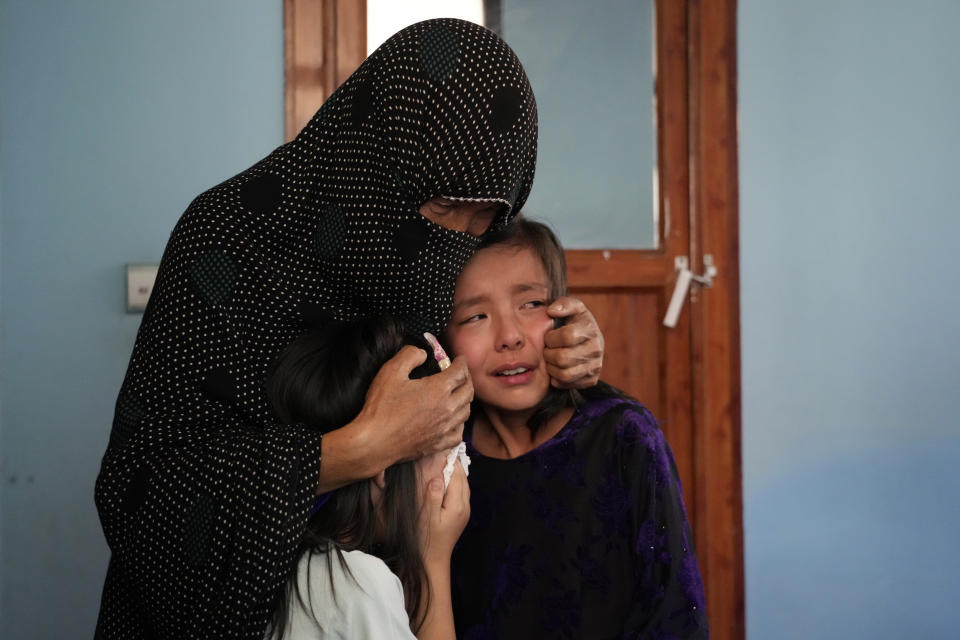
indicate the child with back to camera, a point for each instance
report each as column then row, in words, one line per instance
column 577, row 526
column 375, row 560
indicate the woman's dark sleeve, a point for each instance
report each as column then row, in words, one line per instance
column 203, row 528
column 202, row 499
column 669, row 600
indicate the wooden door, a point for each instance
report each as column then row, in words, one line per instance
column 324, row 42
column 689, row 376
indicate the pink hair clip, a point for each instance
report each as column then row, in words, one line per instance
column 441, row 356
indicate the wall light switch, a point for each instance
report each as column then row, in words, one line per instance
column 140, row 278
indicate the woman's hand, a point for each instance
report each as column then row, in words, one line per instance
column 401, row 419
column 414, row 418
column 443, row 516
column 573, row 352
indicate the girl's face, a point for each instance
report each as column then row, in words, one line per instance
column 498, row 322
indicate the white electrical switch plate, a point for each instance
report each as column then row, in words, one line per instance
column 140, row 278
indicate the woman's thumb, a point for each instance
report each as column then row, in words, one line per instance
column 409, row 358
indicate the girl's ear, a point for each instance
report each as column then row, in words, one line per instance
column 380, row 479
column 377, row 484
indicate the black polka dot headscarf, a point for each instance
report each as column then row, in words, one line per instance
column 202, row 497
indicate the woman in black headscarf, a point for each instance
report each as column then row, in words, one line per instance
column 375, row 206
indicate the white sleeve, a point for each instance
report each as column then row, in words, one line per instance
column 370, row 605
column 376, row 610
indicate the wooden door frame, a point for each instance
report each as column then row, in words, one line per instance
column 697, row 163
column 324, row 42
column 715, row 311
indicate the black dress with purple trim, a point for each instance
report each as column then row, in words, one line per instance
column 586, row 536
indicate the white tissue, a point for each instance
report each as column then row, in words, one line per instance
column 459, row 452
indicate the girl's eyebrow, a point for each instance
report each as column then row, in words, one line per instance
column 470, row 301
column 529, row 286
column 521, row 287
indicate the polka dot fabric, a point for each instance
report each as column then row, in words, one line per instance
column 202, row 496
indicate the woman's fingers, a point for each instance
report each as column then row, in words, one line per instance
column 577, row 377
column 579, row 324
column 447, row 440
column 407, row 359
column 462, row 396
column 406, row 418
column 573, row 352
column 565, row 306
column 457, row 374
column 453, row 410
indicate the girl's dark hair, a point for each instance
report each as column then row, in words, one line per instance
column 321, row 380
column 524, row 233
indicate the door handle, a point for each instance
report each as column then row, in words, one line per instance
column 684, row 278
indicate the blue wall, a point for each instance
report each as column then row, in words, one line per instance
column 849, row 192
column 113, row 116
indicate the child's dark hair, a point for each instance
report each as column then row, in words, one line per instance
column 524, row 233
column 321, row 380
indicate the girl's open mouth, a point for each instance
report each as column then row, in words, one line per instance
column 515, row 373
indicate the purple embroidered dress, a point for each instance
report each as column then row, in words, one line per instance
column 586, row 536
